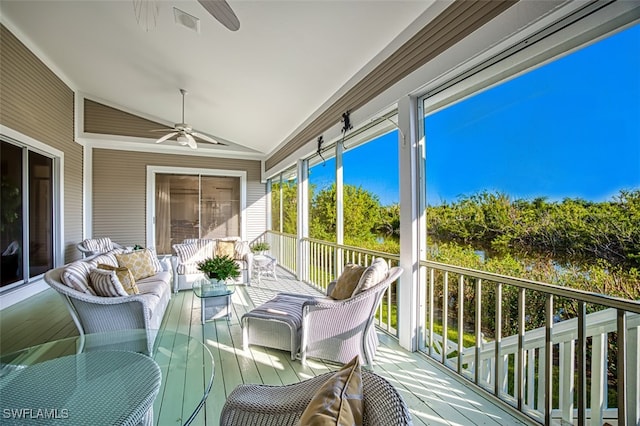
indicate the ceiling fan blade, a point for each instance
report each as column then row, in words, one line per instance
column 165, row 137
column 191, row 141
column 205, row 138
column 221, row 10
column 168, row 129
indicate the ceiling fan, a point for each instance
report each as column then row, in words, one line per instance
column 186, row 135
column 221, row 10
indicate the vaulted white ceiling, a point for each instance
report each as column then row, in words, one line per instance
column 252, row 87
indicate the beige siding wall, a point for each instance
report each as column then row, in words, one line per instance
column 119, row 191
column 36, row 103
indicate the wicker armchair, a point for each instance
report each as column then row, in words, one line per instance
column 337, row 330
column 93, row 246
column 283, row 405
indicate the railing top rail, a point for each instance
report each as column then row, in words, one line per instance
column 556, row 290
column 283, row 234
column 358, row 249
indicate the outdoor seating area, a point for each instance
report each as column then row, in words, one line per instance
column 432, row 395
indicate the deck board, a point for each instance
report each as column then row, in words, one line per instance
column 434, row 396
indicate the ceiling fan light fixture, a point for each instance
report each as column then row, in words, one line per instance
column 186, row 20
column 182, row 140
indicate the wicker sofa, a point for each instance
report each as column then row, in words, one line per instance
column 191, row 251
column 96, row 314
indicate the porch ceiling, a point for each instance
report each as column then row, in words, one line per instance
column 252, row 87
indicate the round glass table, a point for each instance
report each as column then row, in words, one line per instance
column 106, row 379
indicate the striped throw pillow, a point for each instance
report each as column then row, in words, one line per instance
column 106, row 283
column 76, row 276
column 98, row 245
column 124, row 276
column 139, row 262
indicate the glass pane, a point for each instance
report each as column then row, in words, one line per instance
column 372, row 194
column 11, row 212
column 177, row 216
column 40, row 214
column 322, row 200
column 539, row 176
column 275, row 204
column 290, row 205
column 220, row 207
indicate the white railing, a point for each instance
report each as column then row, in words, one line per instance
column 555, row 367
column 283, row 248
column 545, row 372
column 323, row 262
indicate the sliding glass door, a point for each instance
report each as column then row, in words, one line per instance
column 195, row 206
column 26, row 209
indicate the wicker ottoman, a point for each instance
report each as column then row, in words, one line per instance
column 274, row 324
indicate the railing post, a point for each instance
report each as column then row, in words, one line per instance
column 622, row 366
column 520, row 361
column 445, row 317
column 460, row 322
column 430, row 295
column 598, row 376
column 548, row 360
column 478, row 329
column 497, row 370
column 582, row 364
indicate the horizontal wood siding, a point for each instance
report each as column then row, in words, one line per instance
column 102, row 119
column 459, row 20
column 119, row 191
column 36, row 103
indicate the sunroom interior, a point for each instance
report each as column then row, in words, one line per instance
column 79, row 160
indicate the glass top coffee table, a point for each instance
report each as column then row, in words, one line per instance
column 215, row 298
column 97, row 379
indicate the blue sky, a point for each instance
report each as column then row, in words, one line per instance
column 568, row 129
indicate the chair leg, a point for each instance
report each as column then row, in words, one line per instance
column 245, row 336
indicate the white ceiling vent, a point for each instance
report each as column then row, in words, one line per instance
column 186, row 20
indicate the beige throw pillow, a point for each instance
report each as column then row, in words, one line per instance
column 125, row 276
column 226, row 248
column 139, row 263
column 338, row 402
column 347, row 282
column 374, row 274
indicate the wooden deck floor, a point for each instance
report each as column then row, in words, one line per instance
column 434, row 396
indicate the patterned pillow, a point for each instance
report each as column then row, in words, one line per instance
column 124, row 276
column 106, row 283
column 226, row 248
column 98, row 245
column 347, row 282
column 76, row 276
column 374, row 274
column 139, row 262
column 339, row 400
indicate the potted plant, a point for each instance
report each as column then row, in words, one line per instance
column 260, row 247
column 220, row 268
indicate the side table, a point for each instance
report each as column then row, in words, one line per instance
column 264, row 264
column 215, row 298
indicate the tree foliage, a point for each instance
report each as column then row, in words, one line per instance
column 567, row 232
